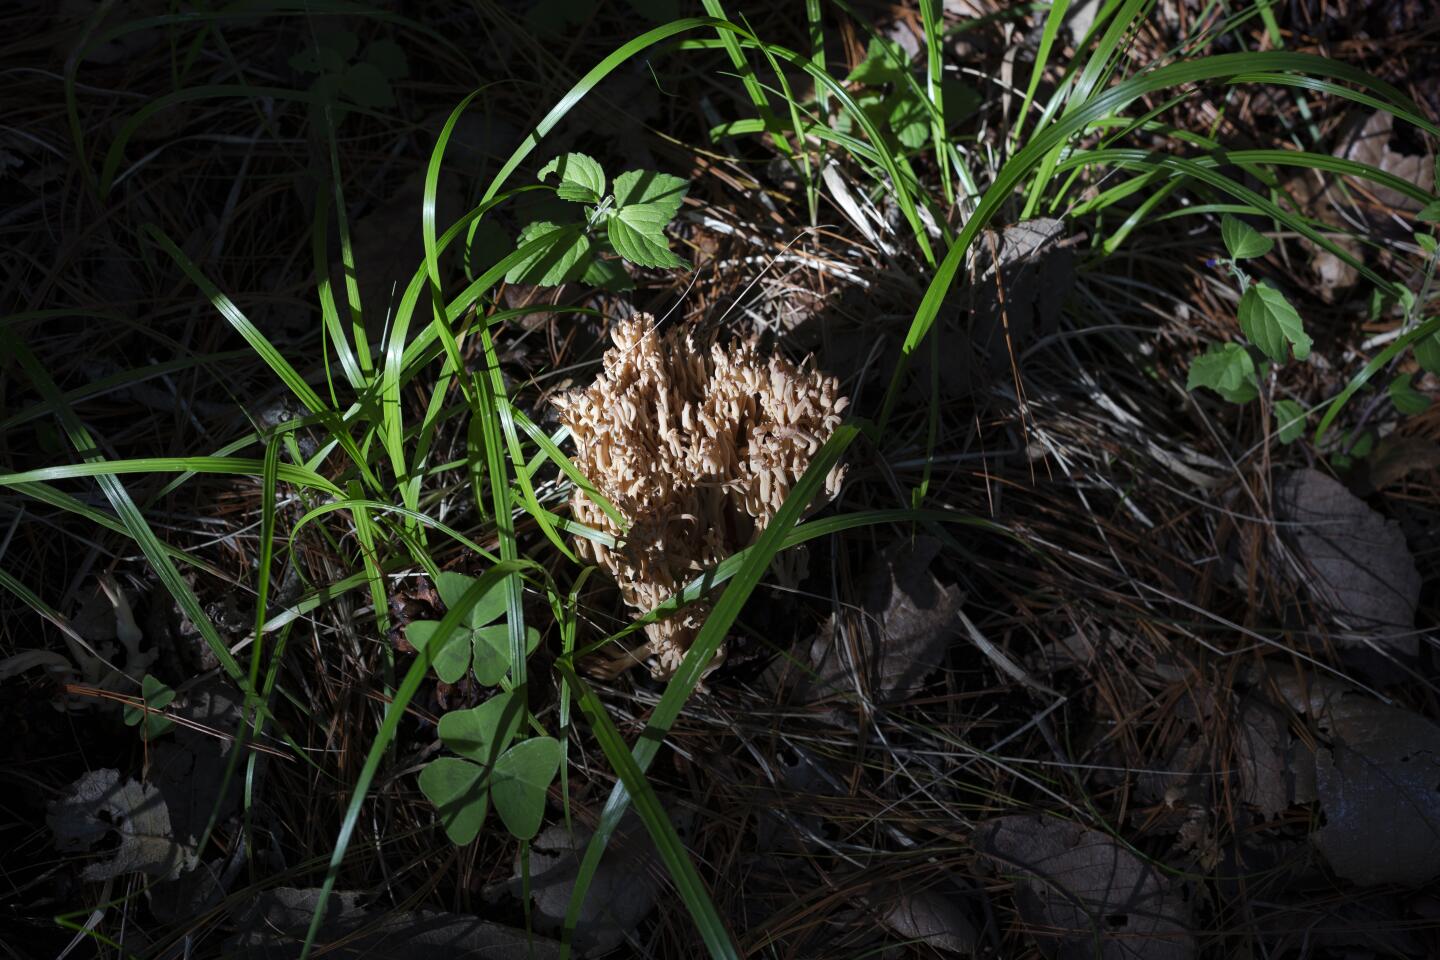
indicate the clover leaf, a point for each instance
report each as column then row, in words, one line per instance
column 480, row 646
column 156, row 695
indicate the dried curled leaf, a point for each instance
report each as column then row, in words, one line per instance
column 1083, row 895
column 99, row 803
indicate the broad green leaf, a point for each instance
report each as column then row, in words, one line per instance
column 608, row 275
column 959, row 99
column 638, row 234
column 453, row 787
column 558, row 261
column 521, row 777
column 1272, row 324
column 1427, row 353
column 909, row 119
column 492, row 651
column 365, row 84
column 480, row 734
column 884, row 62
column 1228, row 369
column 1406, row 398
column 452, row 662
column 660, row 190
column 581, row 178
column 452, row 586
column 1289, row 420
column 1425, row 242
column 388, row 58
column 1430, row 213
column 1242, row 240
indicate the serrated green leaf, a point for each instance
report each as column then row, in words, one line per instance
column 1406, row 398
column 521, row 778
column 885, row 61
column 661, row 190
column 492, row 651
column 1228, row 369
column 482, row 733
column 1289, row 420
column 452, row 586
column 607, row 275
column 1430, row 213
column 1427, row 353
column 637, row 233
column 581, row 178
column 452, row 662
column 557, row 261
column 1272, row 324
column 453, row 787
column 1242, row 240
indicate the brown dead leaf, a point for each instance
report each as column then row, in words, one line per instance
column 1083, row 895
column 98, row 804
column 1369, row 142
column 908, row 620
column 1353, row 561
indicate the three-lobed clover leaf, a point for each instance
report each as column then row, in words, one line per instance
column 1243, row 241
column 1228, row 369
column 157, row 695
column 1272, row 324
column 482, row 646
column 489, row 767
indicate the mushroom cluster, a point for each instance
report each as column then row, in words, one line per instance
column 697, row 450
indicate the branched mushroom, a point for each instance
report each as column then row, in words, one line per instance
column 696, row 450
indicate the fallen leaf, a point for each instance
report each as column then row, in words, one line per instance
column 1369, row 142
column 930, row 916
column 622, row 891
column 273, row 927
column 908, row 620
column 1355, row 562
column 1274, row 775
column 1377, row 779
column 1083, row 895
column 99, row 803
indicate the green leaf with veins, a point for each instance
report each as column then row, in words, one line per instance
column 1242, row 240
column 454, row 787
column 885, row 62
column 522, row 777
column 660, row 190
column 581, row 178
column 607, row 275
column 1272, row 324
column 1427, row 353
column 557, row 261
column 1228, row 369
column 637, row 232
column 1289, row 420
column 1406, row 398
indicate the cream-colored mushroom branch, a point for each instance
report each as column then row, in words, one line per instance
column 697, row 450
